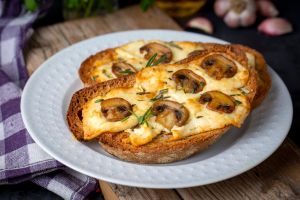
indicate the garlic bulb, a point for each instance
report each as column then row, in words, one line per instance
column 236, row 12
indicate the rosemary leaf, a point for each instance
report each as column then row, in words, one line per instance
column 98, row 100
column 150, row 61
column 126, row 72
column 172, row 44
column 237, row 102
column 124, row 119
column 160, row 60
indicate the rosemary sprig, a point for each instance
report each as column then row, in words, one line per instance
column 143, row 119
column 126, row 72
column 106, row 73
column 143, row 92
column 95, row 77
column 172, row 44
column 233, row 95
column 237, row 102
column 150, row 61
column 124, row 119
column 160, row 95
column 160, row 60
column 98, row 100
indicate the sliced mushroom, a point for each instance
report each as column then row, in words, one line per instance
column 170, row 113
column 154, row 47
column 189, row 81
column 218, row 101
column 218, row 67
column 115, row 109
column 122, row 69
column 195, row 53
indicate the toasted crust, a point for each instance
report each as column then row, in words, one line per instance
column 264, row 81
column 160, row 150
column 87, row 67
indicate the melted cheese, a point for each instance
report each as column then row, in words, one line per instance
column 154, row 79
column 130, row 53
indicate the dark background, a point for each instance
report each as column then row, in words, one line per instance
column 282, row 54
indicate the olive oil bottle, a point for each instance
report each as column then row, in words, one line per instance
column 180, row 8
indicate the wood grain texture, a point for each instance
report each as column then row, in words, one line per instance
column 276, row 178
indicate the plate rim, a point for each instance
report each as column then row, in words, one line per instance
column 129, row 183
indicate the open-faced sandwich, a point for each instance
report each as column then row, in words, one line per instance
column 167, row 112
column 134, row 56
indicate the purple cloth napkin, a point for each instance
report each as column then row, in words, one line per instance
column 21, row 158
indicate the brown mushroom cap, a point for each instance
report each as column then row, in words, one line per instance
column 170, row 113
column 218, row 67
column 115, row 109
column 154, row 47
column 195, row 53
column 122, row 69
column 218, row 101
column 189, row 81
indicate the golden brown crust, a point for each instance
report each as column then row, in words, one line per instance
column 88, row 65
column 161, row 149
column 263, row 78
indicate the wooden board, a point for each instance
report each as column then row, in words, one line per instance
column 276, row 178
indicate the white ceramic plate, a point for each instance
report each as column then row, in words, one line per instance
column 47, row 94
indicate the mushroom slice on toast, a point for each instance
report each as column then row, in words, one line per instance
column 146, row 118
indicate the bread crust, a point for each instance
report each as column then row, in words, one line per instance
column 87, row 66
column 264, row 81
column 161, row 149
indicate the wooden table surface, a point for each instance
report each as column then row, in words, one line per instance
column 276, row 178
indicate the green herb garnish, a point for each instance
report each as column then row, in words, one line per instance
column 143, row 92
column 95, row 77
column 126, row 72
column 106, row 73
column 124, row 119
column 160, row 60
column 237, row 102
column 146, row 4
column 98, row 100
column 233, row 95
column 143, row 119
column 150, row 61
column 199, row 117
column 160, row 95
column 172, row 44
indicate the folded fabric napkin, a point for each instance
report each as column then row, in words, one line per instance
column 21, row 158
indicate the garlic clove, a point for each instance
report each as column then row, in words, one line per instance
column 221, row 7
column 267, row 8
column 248, row 17
column 232, row 19
column 275, row 26
column 201, row 23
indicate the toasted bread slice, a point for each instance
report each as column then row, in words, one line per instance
column 162, row 148
column 90, row 71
